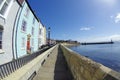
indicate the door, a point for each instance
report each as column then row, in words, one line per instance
column 28, row 44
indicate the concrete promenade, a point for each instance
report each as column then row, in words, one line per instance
column 52, row 65
column 54, row 68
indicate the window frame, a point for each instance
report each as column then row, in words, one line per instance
column 40, row 31
column 7, row 9
column 1, row 39
column 23, row 43
column 33, row 20
column 27, row 11
column 32, row 42
column 24, row 26
column 33, row 30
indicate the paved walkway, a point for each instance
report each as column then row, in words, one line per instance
column 54, row 68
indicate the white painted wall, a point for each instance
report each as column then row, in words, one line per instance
column 8, row 22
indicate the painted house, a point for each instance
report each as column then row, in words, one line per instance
column 8, row 13
column 42, row 35
column 19, row 30
column 26, row 31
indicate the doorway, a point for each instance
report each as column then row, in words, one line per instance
column 28, row 44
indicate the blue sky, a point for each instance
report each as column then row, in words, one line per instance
column 82, row 20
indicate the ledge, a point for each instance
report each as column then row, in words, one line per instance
column 1, row 51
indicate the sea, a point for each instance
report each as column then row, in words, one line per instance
column 106, row 54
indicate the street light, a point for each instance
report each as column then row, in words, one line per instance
column 49, row 36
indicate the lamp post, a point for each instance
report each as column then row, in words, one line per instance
column 49, row 36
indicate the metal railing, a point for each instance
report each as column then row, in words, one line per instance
column 10, row 67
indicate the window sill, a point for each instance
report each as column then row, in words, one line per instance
column 22, row 48
column 23, row 32
column 2, row 17
column 1, row 51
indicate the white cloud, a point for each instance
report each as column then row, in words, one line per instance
column 117, row 18
column 85, row 28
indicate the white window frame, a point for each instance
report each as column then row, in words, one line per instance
column 32, row 42
column 40, row 31
column 33, row 20
column 7, row 10
column 1, row 39
column 27, row 11
column 24, row 25
column 23, row 43
column 1, row 49
column 33, row 30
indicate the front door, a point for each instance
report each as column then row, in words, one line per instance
column 28, row 44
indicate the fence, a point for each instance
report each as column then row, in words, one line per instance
column 8, row 68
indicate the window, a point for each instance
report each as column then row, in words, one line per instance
column 3, row 6
column 23, row 43
column 32, row 30
column 40, row 31
column 39, row 41
column 32, row 42
column 34, row 20
column 24, row 24
column 1, row 2
column 0, row 39
column 27, row 12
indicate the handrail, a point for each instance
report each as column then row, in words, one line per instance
column 10, row 67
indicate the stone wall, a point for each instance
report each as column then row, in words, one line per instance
column 83, row 68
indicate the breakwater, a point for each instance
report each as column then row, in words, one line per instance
column 92, row 43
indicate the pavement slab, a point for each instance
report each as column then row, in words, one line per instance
column 54, row 68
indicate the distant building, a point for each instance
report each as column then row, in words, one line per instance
column 67, row 41
column 52, row 41
column 42, row 35
column 21, row 32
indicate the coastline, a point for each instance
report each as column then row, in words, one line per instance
column 70, row 44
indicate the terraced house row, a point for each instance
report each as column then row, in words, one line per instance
column 21, row 32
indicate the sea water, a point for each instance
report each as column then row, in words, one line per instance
column 106, row 54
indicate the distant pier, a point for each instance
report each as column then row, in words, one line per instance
column 93, row 43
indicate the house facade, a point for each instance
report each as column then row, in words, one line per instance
column 42, row 33
column 26, row 32
column 8, row 13
column 20, row 30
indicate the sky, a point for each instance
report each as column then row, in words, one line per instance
column 81, row 20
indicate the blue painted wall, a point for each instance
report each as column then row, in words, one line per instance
column 19, row 34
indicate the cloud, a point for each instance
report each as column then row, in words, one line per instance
column 117, row 18
column 85, row 28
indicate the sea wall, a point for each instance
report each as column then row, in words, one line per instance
column 83, row 68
